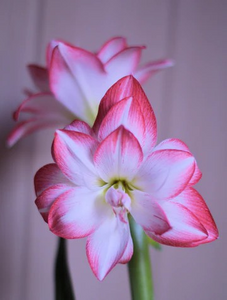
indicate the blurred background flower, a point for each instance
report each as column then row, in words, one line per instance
column 74, row 82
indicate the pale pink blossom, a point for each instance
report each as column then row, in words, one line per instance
column 103, row 174
column 74, row 82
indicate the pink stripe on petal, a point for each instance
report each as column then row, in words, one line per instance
column 47, row 198
column 186, row 227
column 174, row 144
column 21, row 130
column 118, row 156
column 129, row 87
column 80, row 126
column 29, row 126
column 194, row 202
column 148, row 70
column 111, row 48
column 41, row 111
column 36, row 103
column 48, row 176
column 127, row 112
column 77, row 213
column 106, row 246
column 73, row 153
column 179, row 145
column 127, row 255
column 50, row 49
column 148, row 213
column 196, row 176
column 165, row 173
column 43, row 104
column 120, row 90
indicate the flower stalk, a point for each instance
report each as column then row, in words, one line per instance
column 139, row 266
column 63, row 285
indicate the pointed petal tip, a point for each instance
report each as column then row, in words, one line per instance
column 164, row 63
column 128, row 79
column 99, row 273
column 100, row 277
column 117, row 38
column 169, row 63
column 215, row 234
column 9, row 142
column 61, row 46
column 59, row 132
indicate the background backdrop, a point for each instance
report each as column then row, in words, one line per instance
column 189, row 101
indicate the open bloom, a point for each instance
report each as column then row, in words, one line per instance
column 104, row 174
column 74, row 82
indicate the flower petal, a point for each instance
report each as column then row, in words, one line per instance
column 194, row 202
column 148, row 213
column 174, row 144
column 123, row 63
column 129, row 87
column 144, row 72
column 179, row 145
column 21, row 130
column 111, row 48
column 39, row 76
column 106, row 246
column 118, row 156
column 73, row 153
column 127, row 112
column 66, row 88
column 49, row 51
column 127, row 255
column 165, row 173
column 43, row 111
column 80, row 126
column 82, row 69
column 196, row 175
column 48, row 176
column 43, row 104
column 77, row 213
column 47, row 198
column 186, row 228
column 29, row 126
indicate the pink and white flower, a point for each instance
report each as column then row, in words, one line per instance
column 74, row 82
column 104, row 174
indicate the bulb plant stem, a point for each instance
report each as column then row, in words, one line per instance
column 63, row 285
column 139, row 267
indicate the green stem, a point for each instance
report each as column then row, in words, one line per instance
column 139, row 266
column 63, row 285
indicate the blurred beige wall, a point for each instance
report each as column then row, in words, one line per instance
column 190, row 104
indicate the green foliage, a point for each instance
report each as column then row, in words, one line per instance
column 154, row 244
column 63, row 285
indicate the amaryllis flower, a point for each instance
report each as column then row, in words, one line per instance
column 103, row 175
column 74, row 82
